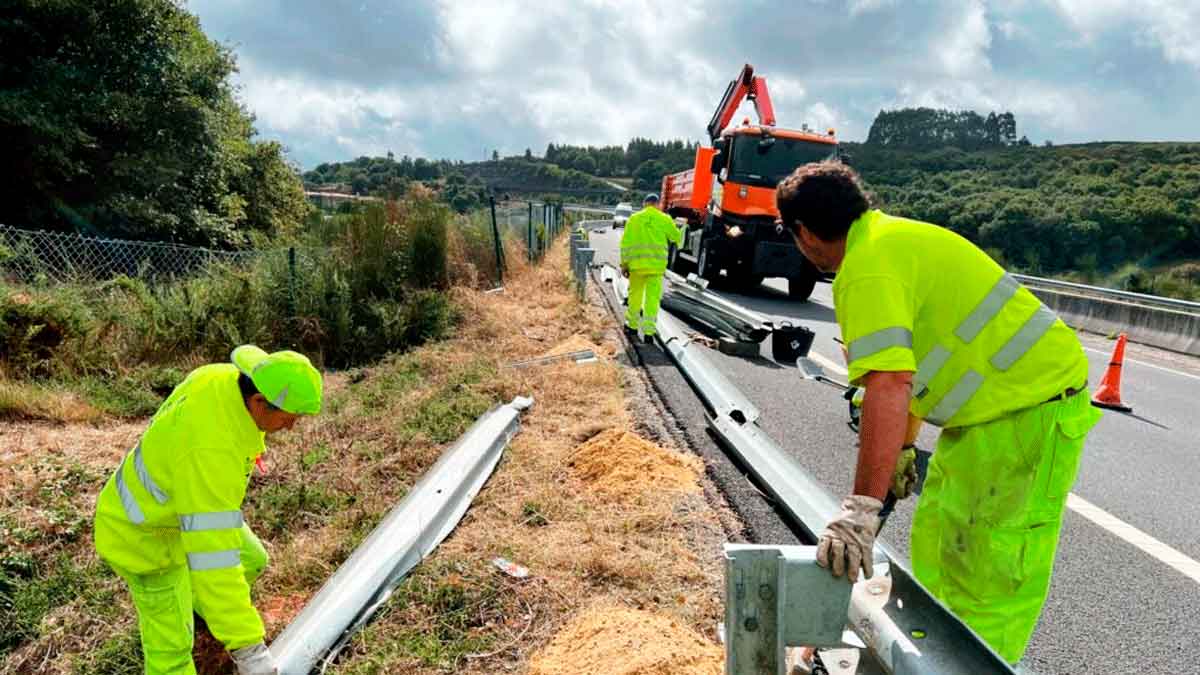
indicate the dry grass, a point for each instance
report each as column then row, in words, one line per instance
column 332, row 479
column 22, row 400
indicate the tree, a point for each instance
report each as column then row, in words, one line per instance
column 495, row 155
column 648, row 175
column 120, row 120
column 528, row 153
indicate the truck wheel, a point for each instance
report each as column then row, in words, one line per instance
column 705, row 267
column 800, row 289
column 679, row 265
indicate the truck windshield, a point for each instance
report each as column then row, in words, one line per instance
column 765, row 165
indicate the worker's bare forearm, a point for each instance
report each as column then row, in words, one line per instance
column 884, row 423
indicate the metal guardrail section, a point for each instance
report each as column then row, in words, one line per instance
column 886, row 612
column 406, row 536
column 696, row 289
column 717, row 391
column 1184, row 306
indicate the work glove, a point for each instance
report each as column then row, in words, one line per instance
column 904, row 479
column 849, row 539
column 255, row 660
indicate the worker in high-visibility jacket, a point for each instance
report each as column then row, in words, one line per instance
column 169, row 519
column 935, row 328
column 644, row 250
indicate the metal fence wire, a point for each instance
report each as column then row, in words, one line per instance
column 35, row 255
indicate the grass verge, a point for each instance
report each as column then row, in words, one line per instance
column 331, row 480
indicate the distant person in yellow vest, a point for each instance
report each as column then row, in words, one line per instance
column 644, row 249
column 169, row 520
column 935, row 328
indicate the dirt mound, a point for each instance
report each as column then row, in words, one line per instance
column 621, row 463
column 577, row 343
column 622, row 641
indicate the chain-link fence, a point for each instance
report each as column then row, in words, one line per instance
column 34, row 255
column 534, row 223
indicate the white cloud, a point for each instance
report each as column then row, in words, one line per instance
column 864, row 6
column 1169, row 25
column 449, row 78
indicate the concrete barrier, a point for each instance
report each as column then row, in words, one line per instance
column 1154, row 326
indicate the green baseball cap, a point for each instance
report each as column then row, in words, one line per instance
column 287, row 379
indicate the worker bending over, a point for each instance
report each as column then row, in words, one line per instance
column 935, row 327
column 644, row 249
column 169, row 520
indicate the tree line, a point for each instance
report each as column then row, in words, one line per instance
column 614, row 160
column 119, row 119
column 929, row 128
column 463, row 185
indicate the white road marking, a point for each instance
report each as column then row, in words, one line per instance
column 1148, row 365
column 828, row 363
column 1154, row 548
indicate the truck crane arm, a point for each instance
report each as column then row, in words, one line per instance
column 745, row 85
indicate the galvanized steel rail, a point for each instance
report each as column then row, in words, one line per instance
column 1184, row 306
column 406, row 536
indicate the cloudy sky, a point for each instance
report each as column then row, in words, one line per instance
column 335, row 79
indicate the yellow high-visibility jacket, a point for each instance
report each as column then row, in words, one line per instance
column 176, row 500
column 910, row 296
column 644, row 242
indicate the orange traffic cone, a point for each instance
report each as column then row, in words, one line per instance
column 1109, row 393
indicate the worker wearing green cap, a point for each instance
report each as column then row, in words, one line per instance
column 169, row 519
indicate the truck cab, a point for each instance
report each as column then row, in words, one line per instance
column 733, row 234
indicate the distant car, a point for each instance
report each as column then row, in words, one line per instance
column 621, row 214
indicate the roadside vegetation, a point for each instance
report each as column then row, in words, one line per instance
column 363, row 285
column 612, row 528
column 120, row 120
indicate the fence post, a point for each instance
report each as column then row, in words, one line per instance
column 499, row 246
column 292, row 294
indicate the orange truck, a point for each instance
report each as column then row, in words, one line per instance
column 728, row 198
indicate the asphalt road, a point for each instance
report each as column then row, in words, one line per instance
column 1113, row 607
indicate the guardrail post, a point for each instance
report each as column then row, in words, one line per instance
column 531, row 233
column 586, row 255
column 777, row 597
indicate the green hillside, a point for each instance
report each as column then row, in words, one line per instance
column 464, row 185
column 1089, row 208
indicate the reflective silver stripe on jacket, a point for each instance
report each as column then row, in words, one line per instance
column 213, row 520
column 139, row 465
column 959, row 394
column 928, row 368
column 644, row 256
column 987, row 309
column 214, row 560
column 643, row 247
column 1021, row 342
column 132, row 511
column 1030, row 332
column 873, row 343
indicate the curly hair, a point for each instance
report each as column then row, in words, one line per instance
column 824, row 197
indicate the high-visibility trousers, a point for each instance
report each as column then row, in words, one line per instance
column 645, row 292
column 987, row 523
column 164, row 607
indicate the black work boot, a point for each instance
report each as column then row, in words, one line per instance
column 648, row 339
column 631, row 334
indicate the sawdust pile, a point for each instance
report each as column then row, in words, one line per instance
column 622, row 641
column 622, row 464
column 577, row 343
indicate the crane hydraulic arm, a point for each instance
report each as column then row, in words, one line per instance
column 745, row 85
